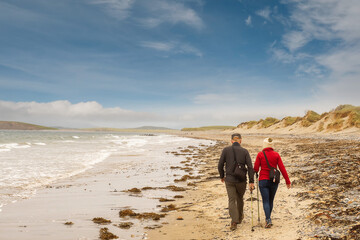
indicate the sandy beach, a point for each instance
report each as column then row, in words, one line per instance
column 314, row 216
column 190, row 202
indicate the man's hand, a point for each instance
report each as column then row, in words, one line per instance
column 251, row 186
column 288, row 186
column 223, row 180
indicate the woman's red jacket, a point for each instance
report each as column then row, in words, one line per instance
column 274, row 161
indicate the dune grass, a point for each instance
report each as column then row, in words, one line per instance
column 310, row 118
column 321, row 127
column 269, row 121
column 353, row 112
column 335, row 116
column 288, row 121
column 250, row 124
column 337, row 125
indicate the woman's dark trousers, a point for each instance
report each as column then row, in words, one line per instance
column 268, row 191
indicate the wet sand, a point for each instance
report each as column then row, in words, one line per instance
column 101, row 192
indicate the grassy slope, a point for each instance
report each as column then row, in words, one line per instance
column 337, row 117
column 9, row 125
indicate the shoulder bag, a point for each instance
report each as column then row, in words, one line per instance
column 240, row 169
column 274, row 174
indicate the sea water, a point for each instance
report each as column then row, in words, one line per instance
column 30, row 160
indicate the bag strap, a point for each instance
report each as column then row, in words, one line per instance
column 235, row 159
column 267, row 161
column 235, row 156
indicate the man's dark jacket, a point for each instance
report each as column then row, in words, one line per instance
column 242, row 157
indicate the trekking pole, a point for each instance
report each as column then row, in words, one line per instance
column 257, row 183
column 252, row 215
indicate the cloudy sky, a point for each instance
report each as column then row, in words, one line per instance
column 175, row 63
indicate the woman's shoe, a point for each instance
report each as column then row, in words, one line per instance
column 268, row 223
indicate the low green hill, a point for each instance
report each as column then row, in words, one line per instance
column 9, row 125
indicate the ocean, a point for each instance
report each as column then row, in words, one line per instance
column 31, row 160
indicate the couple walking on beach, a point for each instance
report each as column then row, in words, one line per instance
column 236, row 156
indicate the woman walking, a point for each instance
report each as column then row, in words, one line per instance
column 268, row 188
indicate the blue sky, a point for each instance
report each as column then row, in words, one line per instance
column 175, row 63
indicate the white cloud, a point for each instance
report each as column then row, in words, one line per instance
column 325, row 20
column 295, row 39
column 169, row 11
column 333, row 23
column 172, row 47
column 64, row 113
column 119, row 9
column 343, row 61
column 265, row 13
column 160, row 46
column 248, row 21
column 226, row 109
column 328, row 19
column 344, row 84
column 186, row 48
column 179, row 13
column 282, row 55
column 153, row 12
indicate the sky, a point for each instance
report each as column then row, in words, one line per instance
column 175, row 63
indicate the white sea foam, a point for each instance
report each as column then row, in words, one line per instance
column 55, row 156
column 9, row 146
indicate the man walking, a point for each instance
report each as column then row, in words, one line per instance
column 231, row 157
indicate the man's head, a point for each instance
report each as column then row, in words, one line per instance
column 236, row 137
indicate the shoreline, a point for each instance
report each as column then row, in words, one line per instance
column 100, row 192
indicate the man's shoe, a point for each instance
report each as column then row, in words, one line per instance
column 233, row 226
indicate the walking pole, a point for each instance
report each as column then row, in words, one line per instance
column 252, row 215
column 257, row 183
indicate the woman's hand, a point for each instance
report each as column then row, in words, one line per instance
column 288, row 186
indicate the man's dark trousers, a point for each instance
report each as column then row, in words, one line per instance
column 235, row 193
